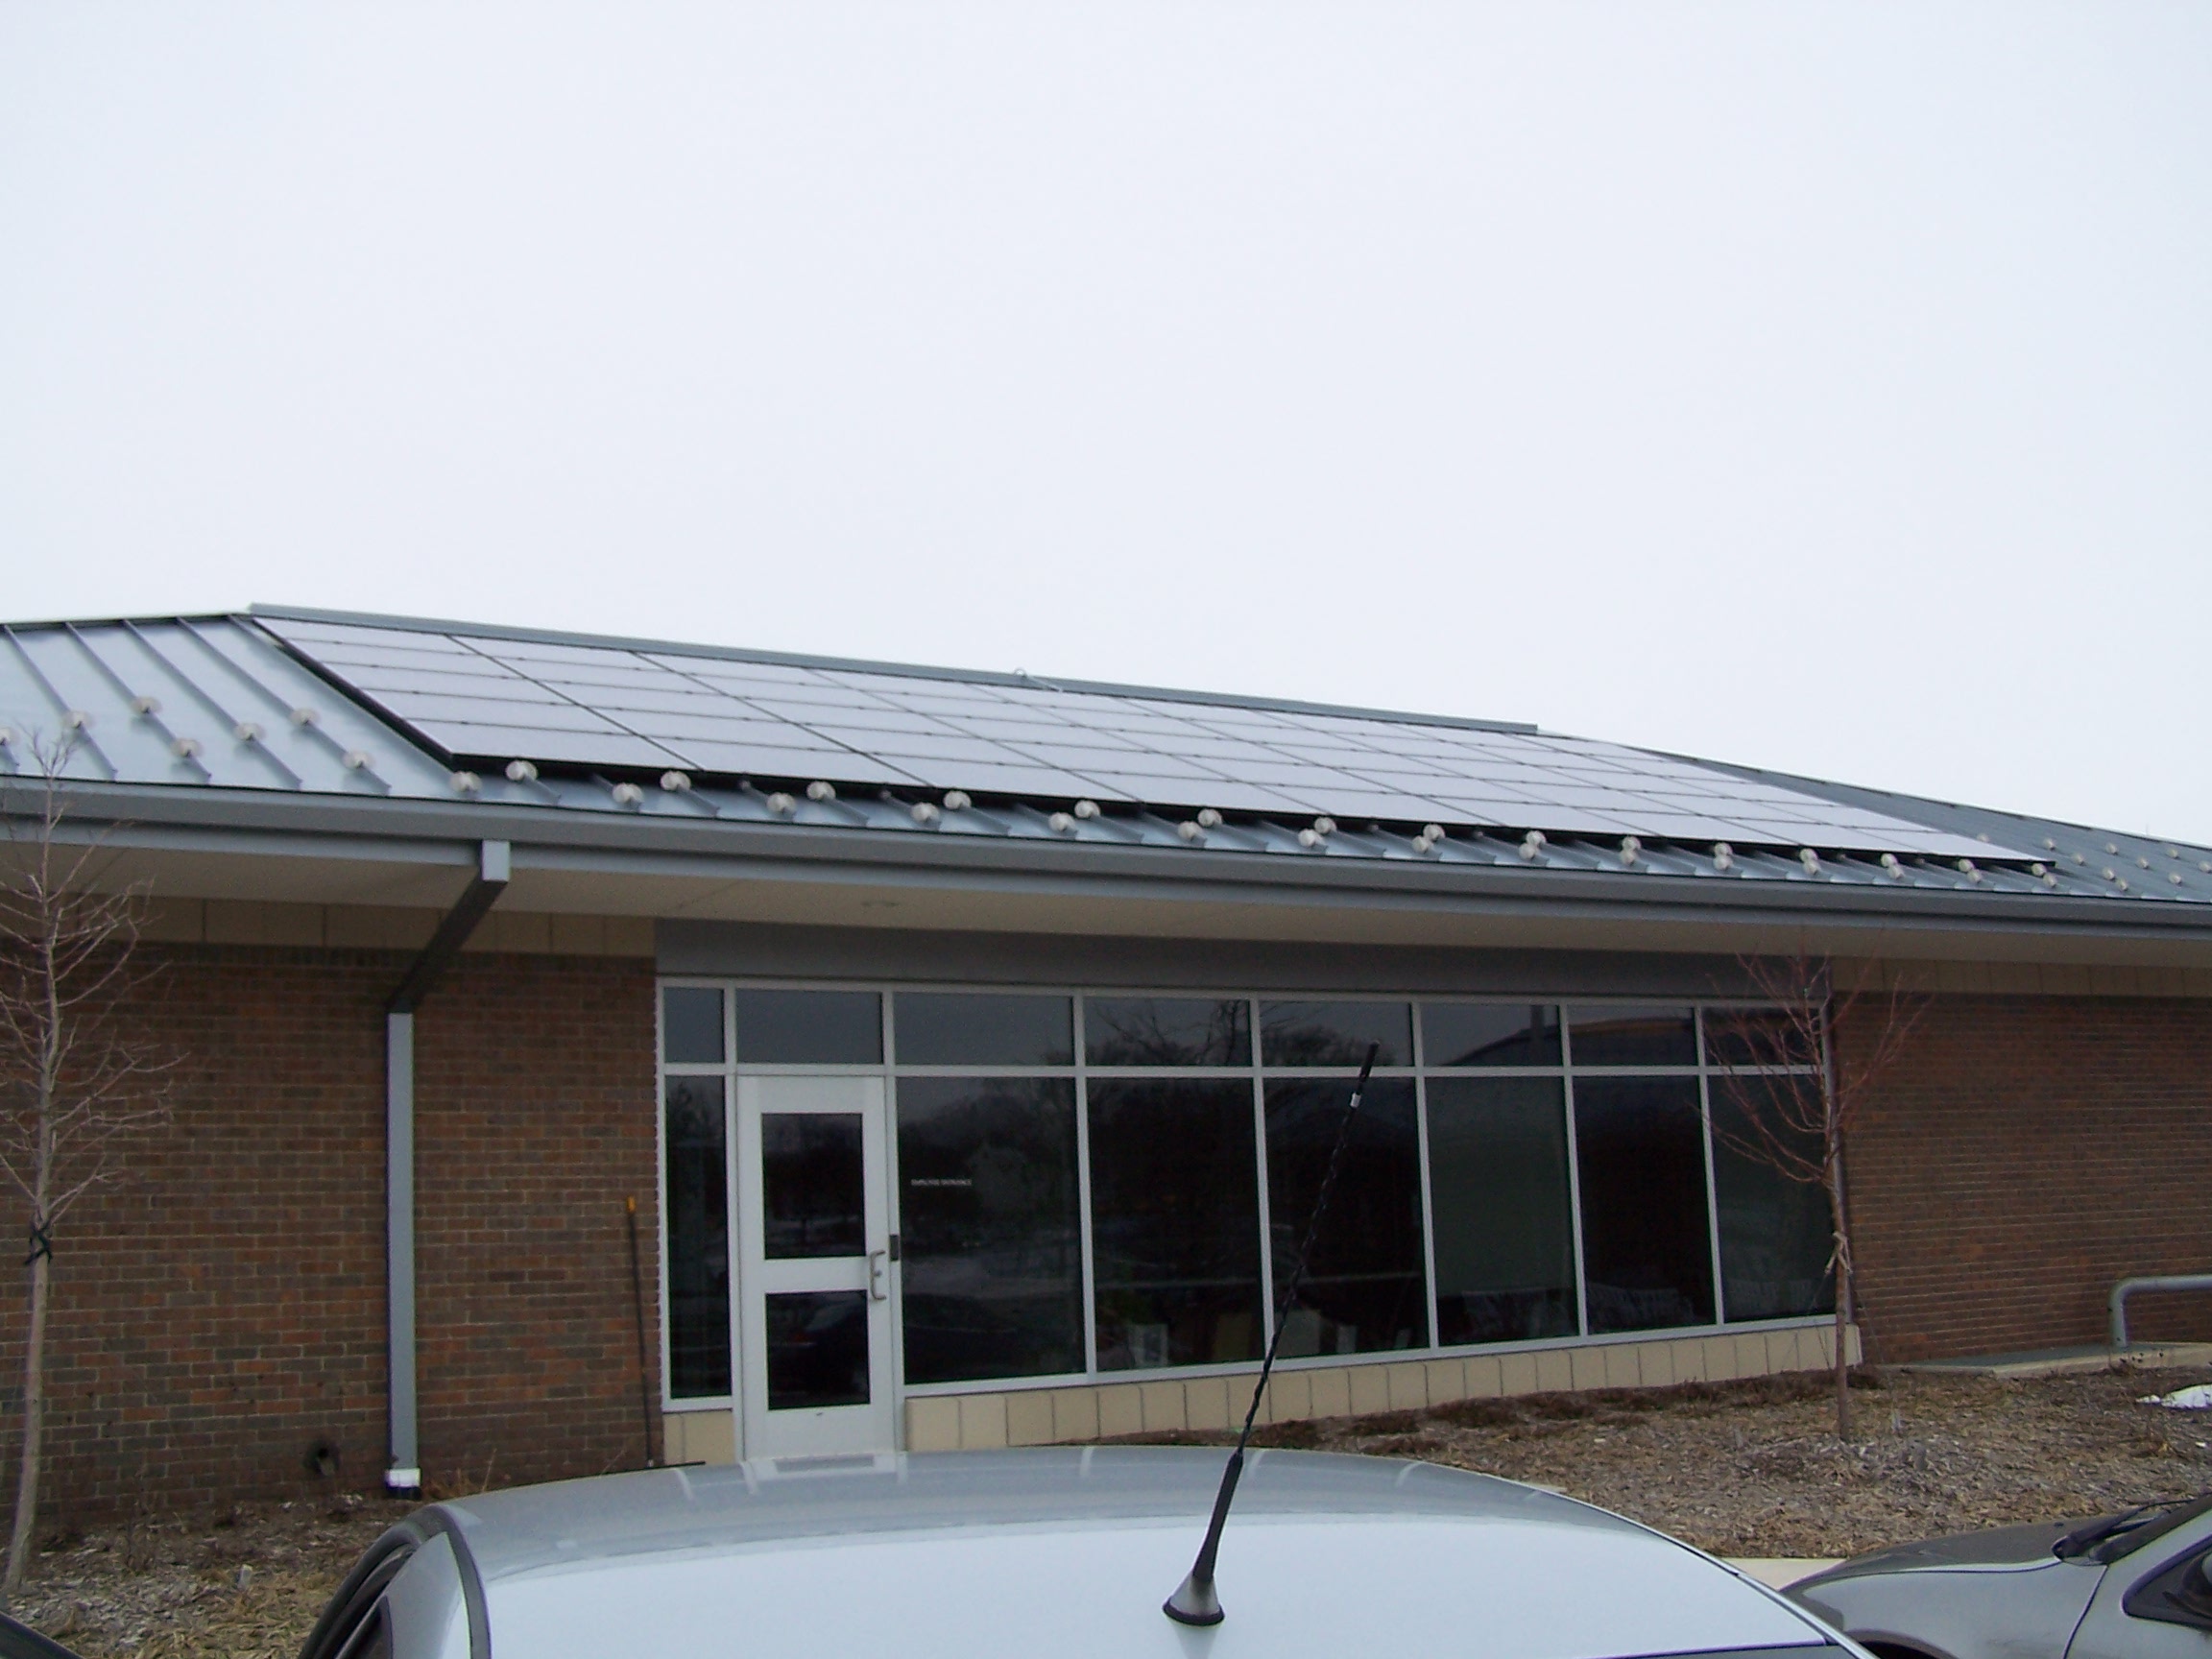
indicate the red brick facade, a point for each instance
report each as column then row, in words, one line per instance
column 223, row 1311
column 2026, row 1154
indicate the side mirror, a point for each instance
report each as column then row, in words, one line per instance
column 2179, row 1593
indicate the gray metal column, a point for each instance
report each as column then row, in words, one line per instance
column 403, row 1472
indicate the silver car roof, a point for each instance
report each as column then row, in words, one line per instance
column 1072, row 1551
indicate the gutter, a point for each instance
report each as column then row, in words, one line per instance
column 403, row 1469
column 721, row 848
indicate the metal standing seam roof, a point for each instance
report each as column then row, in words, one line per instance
column 401, row 709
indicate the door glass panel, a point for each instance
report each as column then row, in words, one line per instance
column 1498, row 1196
column 1335, row 1033
column 1363, row 1291
column 992, row 1284
column 1646, row 1250
column 1621, row 1036
column 817, row 1348
column 1489, row 1034
column 808, row 1027
column 1174, row 1223
column 698, row 1242
column 813, row 1193
column 1166, row 1031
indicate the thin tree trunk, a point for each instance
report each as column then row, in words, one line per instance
column 1842, row 1235
column 19, row 1540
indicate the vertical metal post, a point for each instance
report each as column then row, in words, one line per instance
column 405, row 1472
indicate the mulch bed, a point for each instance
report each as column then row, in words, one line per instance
column 1750, row 1468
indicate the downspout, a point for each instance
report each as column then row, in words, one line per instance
column 403, row 1470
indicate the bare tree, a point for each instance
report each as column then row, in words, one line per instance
column 1797, row 1092
column 74, row 1080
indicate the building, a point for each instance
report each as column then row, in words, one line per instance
column 598, row 1048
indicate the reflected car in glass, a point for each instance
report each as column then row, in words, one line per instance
column 1062, row 1551
column 2132, row 1585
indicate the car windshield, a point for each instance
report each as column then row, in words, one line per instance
column 2110, row 1537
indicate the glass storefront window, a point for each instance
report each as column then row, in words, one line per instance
column 1174, row 1223
column 982, row 1028
column 1774, row 1231
column 1502, row 1209
column 1642, row 1036
column 692, row 1025
column 992, row 1274
column 1646, row 1246
column 1166, row 1031
column 1363, row 1291
column 1459, row 1034
column 1531, row 1115
column 808, row 1027
column 698, row 1221
column 1337, row 1034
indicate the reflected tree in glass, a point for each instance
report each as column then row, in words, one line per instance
column 1502, row 1209
column 698, row 1211
column 991, row 1280
column 1363, row 1289
column 1174, row 1223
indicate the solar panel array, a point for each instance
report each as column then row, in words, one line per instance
column 487, row 699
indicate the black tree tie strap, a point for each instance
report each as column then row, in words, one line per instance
column 41, row 1245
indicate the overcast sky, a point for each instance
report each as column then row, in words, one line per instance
column 1826, row 387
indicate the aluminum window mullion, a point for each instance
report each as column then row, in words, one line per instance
column 1083, row 1199
column 1269, row 1313
column 1429, row 1313
column 731, row 1253
column 1575, row 1178
column 1712, row 1182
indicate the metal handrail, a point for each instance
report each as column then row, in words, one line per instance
column 2127, row 1287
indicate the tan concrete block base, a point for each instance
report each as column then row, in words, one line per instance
column 991, row 1418
column 700, row 1437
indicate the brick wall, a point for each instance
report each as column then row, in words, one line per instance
column 223, row 1311
column 2024, row 1155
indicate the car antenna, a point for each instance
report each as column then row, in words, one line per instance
column 1195, row 1602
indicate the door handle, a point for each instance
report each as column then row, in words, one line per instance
column 877, row 1270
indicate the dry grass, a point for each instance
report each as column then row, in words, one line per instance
column 1754, row 1468
column 1748, row 1468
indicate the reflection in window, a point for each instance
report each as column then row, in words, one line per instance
column 813, row 1188
column 1500, row 1207
column 1645, row 1036
column 1166, row 1031
column 1489, row 1034
column 808, row 1027
column 1647, row 1249
column 817, row 1348
column 692, row 1025
column 1774, row 1231
column 698, row 1213
column 1174, row 1223
column 1746, row 1038
column 982, row 1029
column 1335, row 1033
column 992, row 1281
column 1364, row 1285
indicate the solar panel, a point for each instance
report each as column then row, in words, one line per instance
column 483, row 698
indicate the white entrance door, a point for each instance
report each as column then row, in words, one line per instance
column 814, row 1285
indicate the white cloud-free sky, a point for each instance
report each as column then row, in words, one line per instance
column 1823, row 386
